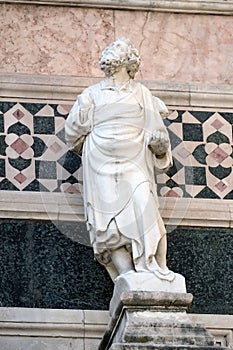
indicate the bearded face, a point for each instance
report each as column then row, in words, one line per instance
column 120, row 53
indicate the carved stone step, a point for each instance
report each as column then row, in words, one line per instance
column 154, row 321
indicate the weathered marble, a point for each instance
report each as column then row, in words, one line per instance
column 178, row 47
column 154, row 320
column 41, row 267
column 182, row 47
column 44, row 268
column 144, row 281
column 53, row 40
column 204, row 256
column 119, row 167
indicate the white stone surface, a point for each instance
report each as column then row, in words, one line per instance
column 50, row 329
column 44, row 343
column 147, row 282
column 221, row 7
column 158, row 319
column 57, row 88
column 69, row 207
column 94, row 323
column 117, row 128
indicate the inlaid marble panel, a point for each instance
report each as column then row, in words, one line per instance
column 34, row 156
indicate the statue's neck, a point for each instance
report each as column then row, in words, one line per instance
column 121, row 76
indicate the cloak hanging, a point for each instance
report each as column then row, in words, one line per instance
column 112, row 128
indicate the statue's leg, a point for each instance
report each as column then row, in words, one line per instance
column 161, row 252
column 112, row 271
column 122, row 260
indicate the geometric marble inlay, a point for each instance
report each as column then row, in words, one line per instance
column 19, row 146
column 217, row 124
column 221, row 186
column 219, row 155
column 55, row 147
column 18, row 114
column 183, row 153
column 20, row 178
column 71, row 189
column 172, row 193
column 32, row 141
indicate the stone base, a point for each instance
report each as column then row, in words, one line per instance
column 145, row 281
column 154, row 320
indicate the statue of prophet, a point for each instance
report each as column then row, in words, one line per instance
column 117, row 127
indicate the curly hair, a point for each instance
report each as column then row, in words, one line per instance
column 120, row 53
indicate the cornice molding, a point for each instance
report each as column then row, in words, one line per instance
column 221, row 7
column 68, row 207
column 52, row 323
column 30, row 87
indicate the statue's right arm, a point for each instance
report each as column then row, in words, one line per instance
column 79, row 122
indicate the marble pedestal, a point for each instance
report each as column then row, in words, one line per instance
column 152, row 319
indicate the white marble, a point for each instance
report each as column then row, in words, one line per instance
column 116, row 127
column 145, row 281
column 89, row 328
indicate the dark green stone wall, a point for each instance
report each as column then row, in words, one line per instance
column 51, row 265
column 205, row 257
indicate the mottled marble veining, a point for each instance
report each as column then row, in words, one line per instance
column 68, row 41
column 51, row 265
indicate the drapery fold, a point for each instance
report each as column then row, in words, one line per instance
column 112, row 129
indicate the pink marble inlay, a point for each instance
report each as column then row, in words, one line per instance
column 19, row 146
column 221, row 186
column 20, row 178
column 55, row 147
column 18, row 114
column 64, row 109
column 172, row 193
column 71, row 189
column 183, row 152
column 217, row 124
column 219, row 155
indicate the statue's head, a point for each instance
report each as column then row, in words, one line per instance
column 118, row 54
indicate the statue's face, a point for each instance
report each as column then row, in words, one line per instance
column 113, row 57
column 121, row 53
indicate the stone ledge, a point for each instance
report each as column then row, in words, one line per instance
column 68, row 207
column 92, row 318
column 221, row 7
column 152, row 298
column 154, row 320
column 26, row 87
column 94, row 323
column 52, row 322
column 41, row 206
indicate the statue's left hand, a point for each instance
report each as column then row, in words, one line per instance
column 159, row 143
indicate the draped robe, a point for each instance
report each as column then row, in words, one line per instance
column 113, row 128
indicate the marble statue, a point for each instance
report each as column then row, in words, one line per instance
column 116, row 127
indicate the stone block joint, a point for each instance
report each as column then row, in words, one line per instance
column 154, row 320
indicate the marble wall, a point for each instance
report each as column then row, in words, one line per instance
column 68, row 41
column 42, row 267
column 34, row 156
column 51, row 265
